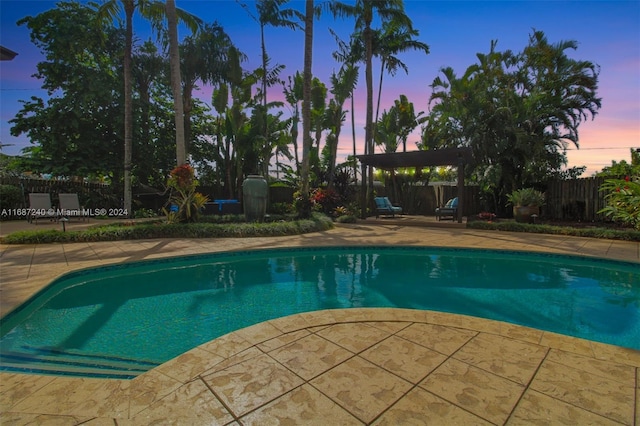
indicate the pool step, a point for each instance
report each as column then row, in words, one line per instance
column 40, row 361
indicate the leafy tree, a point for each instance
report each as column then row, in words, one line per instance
column 77, row 130
column 622, row 168
column 518, row 112
column 153, row 154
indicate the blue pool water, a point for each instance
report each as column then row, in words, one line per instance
column 121, row 320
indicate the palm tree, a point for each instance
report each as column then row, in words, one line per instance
column 204, row 57
column 293, row 95
column 342, row 86
column 392, row 39
column 363, row 11
column 176, row 81
column 306, row 96
column 153, row 10
column 350, row 54
column 270, row 12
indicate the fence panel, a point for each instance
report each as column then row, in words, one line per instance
column 575, row 199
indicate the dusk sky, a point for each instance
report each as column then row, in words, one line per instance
column 607, row 32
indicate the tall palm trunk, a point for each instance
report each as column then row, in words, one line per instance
column 176, row 81
column 375, row 122
column 368, row 172
column 353, row 134
column 306, row 97
column 129, row 7
column 264, row 87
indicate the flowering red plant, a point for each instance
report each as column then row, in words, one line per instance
column 182, row 177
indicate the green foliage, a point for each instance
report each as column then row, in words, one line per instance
column 146, row 230
column 623, row 198
column 605, row 233
column 303, row 204
column 526, row 197
column 11, row 197
column 281, row 208
column 74, row 131
column 185, row 197
column 622, row 168
column 346, row 219
column 144, row 213
column 517, row 111
column 327, row 200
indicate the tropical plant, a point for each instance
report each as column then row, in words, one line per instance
column 204, row 57
column 623, row 198
column 342, row 86
column 526, row 197
column 185, row 202
column 350, row 54
column 517, row 111
column 270, row 12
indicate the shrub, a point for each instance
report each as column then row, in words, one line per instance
column 623, row 198
column 612, row 234
column 188, row 203
column 347, row 218
column 157, row 229
column 526, row 197
column 281, row 208
column 11, row 197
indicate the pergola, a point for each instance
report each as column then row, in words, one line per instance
column 438, row 157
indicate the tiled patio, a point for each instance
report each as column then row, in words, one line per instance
column 357, row 366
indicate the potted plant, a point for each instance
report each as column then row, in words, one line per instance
column 526, row 204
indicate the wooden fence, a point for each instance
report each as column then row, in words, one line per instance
column 96, row 195
column 575, row 199
column 571, row 200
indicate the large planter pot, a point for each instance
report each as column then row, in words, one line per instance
column 254, row 197
column 524, row 214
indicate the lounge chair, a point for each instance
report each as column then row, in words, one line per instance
column 449, row 209
column 70, row 206
column 40, row 207
column 384, row 206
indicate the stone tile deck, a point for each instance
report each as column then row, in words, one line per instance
column 356, row 366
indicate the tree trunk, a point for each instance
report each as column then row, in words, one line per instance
column 187, row 108
column 375, row 122
column 353, row 134
column 369, row 122
column 176, row 81
column 306, row 97
column 128, row 107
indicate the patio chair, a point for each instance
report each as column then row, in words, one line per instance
column 384, row 207
column 40, row 206
column 449, row 209
column 70, row 206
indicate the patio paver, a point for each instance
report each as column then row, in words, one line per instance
column 354, row 366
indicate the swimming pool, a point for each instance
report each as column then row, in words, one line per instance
column 121, row 320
